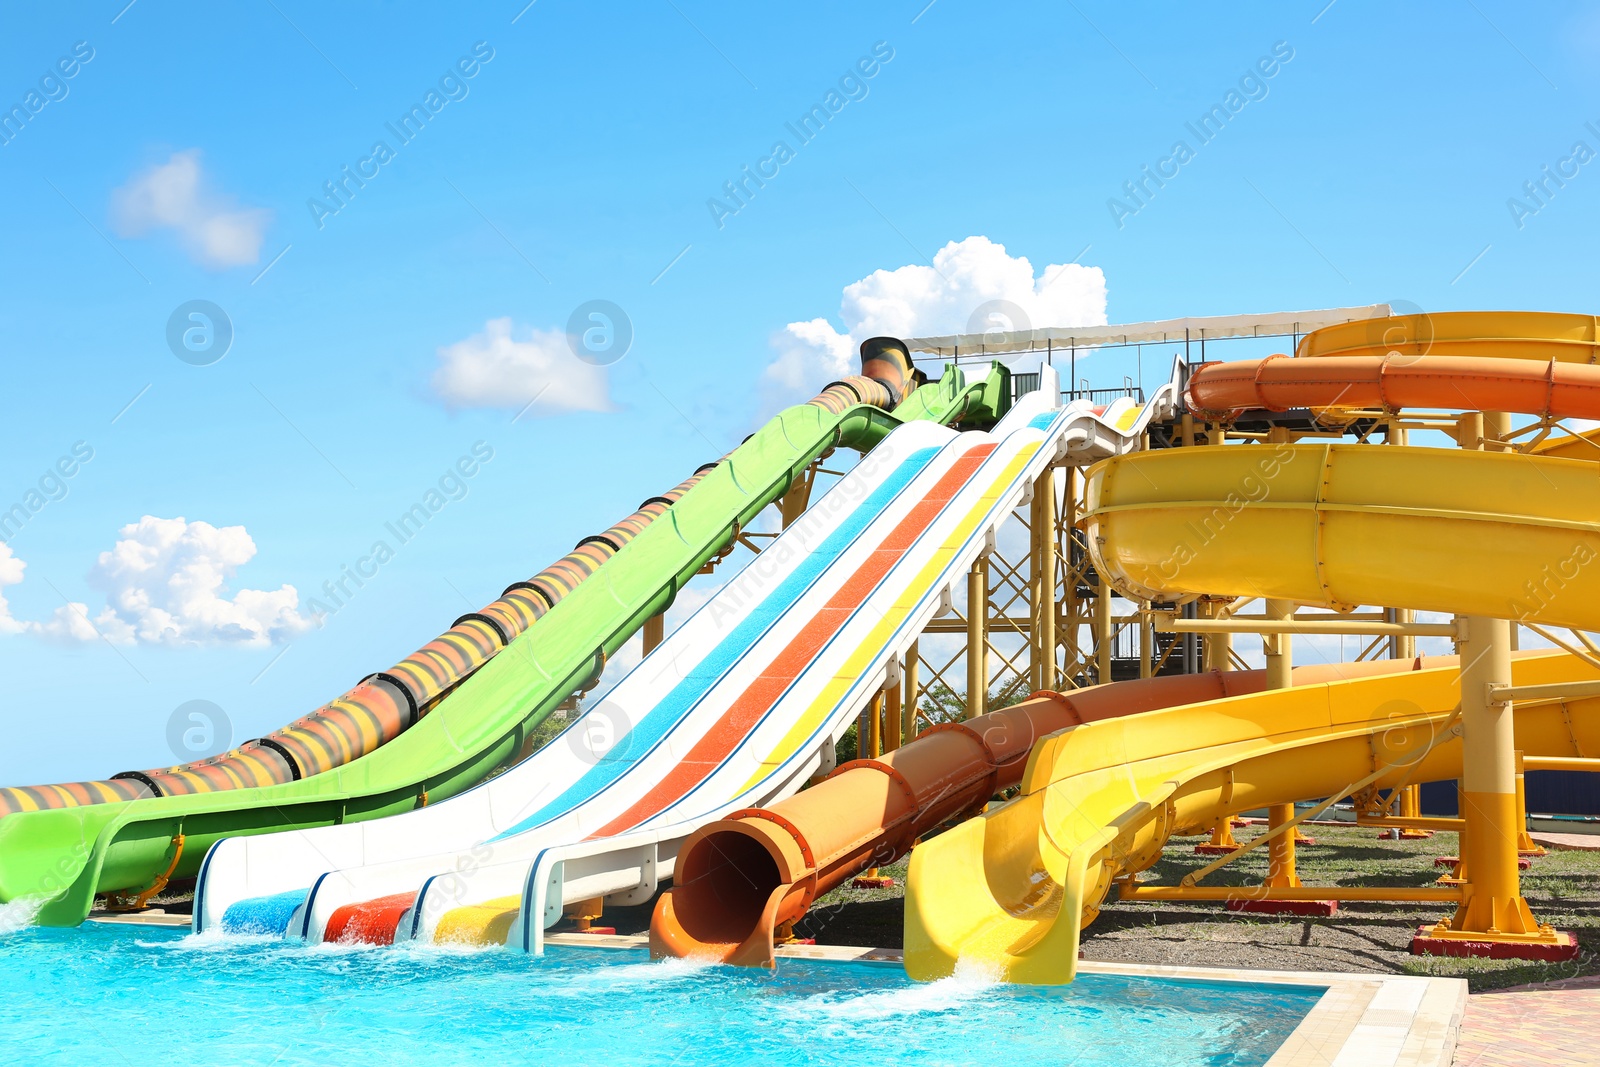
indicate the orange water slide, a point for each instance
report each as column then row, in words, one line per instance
column 739, row 878
column 1396, row 380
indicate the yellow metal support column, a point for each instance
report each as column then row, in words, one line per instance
column 1043, row 529
column 1216, row 649
column 913, row 694
column 1102, row 630
column 654, row 632
column 1279, row 648
column 893, row 726
column 1147, row 640
column 978, row 638
column 1279, row 651
column 1071, row 631
column 1526, row 845
column 1493, row 916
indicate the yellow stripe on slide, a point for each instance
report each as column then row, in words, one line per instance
column 488, row 923
column 856, row 665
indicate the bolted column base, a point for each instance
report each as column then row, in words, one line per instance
column 1546, row 944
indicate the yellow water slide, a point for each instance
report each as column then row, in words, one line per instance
column 1483, row 535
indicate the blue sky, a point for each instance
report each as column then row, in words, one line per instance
column 372, row 352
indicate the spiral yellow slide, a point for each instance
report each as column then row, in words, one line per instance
column 1481, row 535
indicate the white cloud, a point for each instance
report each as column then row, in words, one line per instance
column 922, row 300
column 69, row 622
column 493, row 369
column 11, row 569
column 174, row 195
column 165, row 583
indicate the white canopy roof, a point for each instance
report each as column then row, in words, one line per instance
column 1210, row 327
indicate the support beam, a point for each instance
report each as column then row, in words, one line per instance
column 1493, row 918
column 1560, row 763
column 1279, row 647
column 793, row 503
column 1526, row 845
column 1129, row 891
column 913, row 693
column 1282, row 872
column 1102, row 630
column 1147, row 641
column 1250, row 624
column 1043, row 529
column 893, row 725
column 1071, row 631
column 1216, row 645
column 1528, row 694
column 653, row 633
column 978, row 638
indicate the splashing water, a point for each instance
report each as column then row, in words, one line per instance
column 961, row 991
column 229, row 1000
column 19, row 914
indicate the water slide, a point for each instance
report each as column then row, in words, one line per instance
column 362, row 878
column 1495, row 534
column 457, row 711
column 1389, row 525
column 721, row 861
column 711, row 714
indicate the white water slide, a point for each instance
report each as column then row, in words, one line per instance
column 740, row 706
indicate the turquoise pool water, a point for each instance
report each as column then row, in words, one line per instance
column 117, row 995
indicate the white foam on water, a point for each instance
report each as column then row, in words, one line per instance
column 18, row 915
column 215, row 939
column 958, row 992
column 604, row 980
column 425, row 951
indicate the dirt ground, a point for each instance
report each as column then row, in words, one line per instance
column 1563, row 889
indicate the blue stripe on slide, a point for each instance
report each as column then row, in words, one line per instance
column 645, row 735
column 263, row 915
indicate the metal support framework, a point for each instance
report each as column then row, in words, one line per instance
column 1044, row 619
column 978, row 638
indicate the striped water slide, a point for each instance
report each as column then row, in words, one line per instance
column 258, row 884
column 857, row 664
column 764, row 742
column 654, row 717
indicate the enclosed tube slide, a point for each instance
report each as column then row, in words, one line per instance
column 741, row 877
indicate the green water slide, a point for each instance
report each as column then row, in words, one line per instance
column 64, row 856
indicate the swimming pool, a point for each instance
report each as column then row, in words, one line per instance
column 106, row 994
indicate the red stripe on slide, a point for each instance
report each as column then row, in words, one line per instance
column 371, row 922
column 736, row 723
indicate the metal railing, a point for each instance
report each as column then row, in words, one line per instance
column 1104, row 396
column 1023, row 384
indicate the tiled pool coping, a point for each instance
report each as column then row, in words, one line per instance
column 1363, row 1020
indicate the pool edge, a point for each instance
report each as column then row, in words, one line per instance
column 1365, row 1019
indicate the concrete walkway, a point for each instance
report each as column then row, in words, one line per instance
column 1533, row 1026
